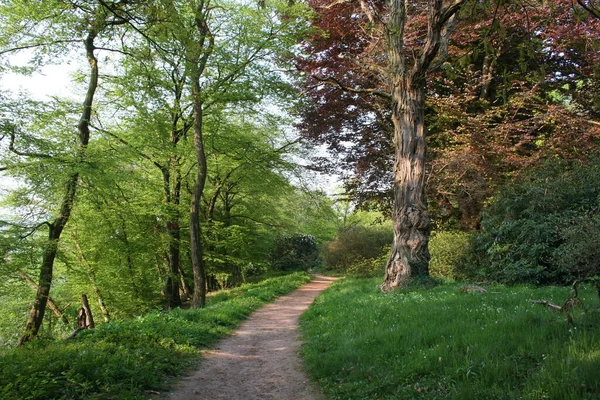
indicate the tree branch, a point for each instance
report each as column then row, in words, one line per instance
column 11, row 147
column 330, row 80
column 32, row 46
column 126, row 143
column 592, row 10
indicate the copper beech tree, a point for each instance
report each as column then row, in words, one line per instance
column 414, row 37
column 488, row 86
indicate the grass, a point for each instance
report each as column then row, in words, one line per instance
column 133, row 358
column 439, row 343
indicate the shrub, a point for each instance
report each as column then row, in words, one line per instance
column 359, row 250
column 295, row 252
column 579, row 252
column 448, row 250
column 536, row 229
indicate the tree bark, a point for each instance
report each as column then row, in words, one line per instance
column 196, row 245
column 36, row 315
column 85, row 320
column 198, row 55
column 51, row 304
column 409, row 255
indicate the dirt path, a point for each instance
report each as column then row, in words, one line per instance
column 260, row 361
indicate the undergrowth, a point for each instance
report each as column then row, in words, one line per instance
column 133, row 358
column 439, row 343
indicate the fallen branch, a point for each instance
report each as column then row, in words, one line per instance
column 568, row 306
column 51, row 304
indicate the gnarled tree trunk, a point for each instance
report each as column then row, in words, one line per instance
column 407, row 76
column 409, row 255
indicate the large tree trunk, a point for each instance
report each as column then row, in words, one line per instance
column 409, row 255
column 407, row 76
column 36, row 315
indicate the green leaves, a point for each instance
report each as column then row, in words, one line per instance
column 529, row 230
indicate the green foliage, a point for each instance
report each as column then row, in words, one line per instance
column 533, row 230
column 125, row 359
column 440, row 343
column 579, row 251
column 448, row 250
column 362, row 247
column 295, row 252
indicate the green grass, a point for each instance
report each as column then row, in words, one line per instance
column 127, row 359
column 439, row 343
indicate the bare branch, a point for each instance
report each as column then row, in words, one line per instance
column 32, row 46
column 334, row 82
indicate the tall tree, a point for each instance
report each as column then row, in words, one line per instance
column 408, row 74
column 415, row 35
column 46, row 29
column 491, row 108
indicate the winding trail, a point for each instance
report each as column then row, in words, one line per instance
column 259, row 361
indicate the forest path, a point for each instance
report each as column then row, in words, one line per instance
column 260, row 360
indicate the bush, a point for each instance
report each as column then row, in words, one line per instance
column 359, row 250
column 295, row 252
column 579, row 253
column 538, row 230
column 448, row 250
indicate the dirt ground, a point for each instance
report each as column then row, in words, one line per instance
column 260, row 361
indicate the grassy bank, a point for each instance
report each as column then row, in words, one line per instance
column 440, row 343
column 131, row 359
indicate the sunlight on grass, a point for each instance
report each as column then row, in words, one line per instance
column 440, row 343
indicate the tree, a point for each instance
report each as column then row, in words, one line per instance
column 95, row 20
column 492, row 106
column 410, row 55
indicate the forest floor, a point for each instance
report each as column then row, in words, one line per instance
column 261, row 360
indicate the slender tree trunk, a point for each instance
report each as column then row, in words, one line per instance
column 129, row 259
column 51, row 304
column 198, row 56
column 174, row 263
column 36, row 315
column 185, row 287
column 237, row 277
column 199, row 296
